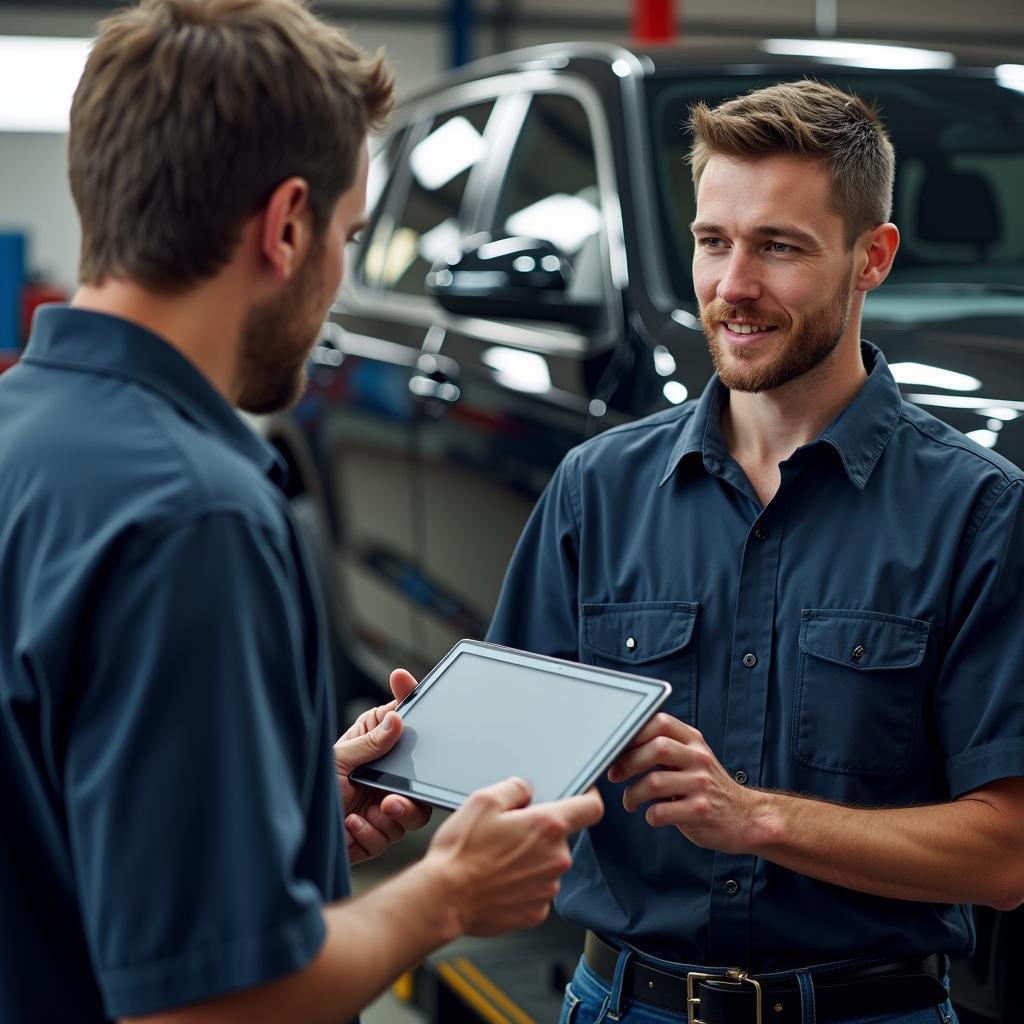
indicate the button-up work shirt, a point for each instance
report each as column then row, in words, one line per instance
column 858, row 639
column 170, row 818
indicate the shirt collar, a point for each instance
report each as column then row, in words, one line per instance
column 858, row 434
column 93, row 342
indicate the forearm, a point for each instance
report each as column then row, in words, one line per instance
column 371, row 939
column 965, row 851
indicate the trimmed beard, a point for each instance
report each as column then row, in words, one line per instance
column 276, row 339
column 809, row 342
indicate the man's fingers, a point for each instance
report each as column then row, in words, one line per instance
column 409, row 814
column 402, row 683
column 510, row 794
column 368, row 841
column 356, row 750
column 664, row 725
column 578, row 812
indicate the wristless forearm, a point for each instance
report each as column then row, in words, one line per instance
column 943, row 853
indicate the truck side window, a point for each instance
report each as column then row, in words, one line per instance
column 551, row 189
column 400, row 253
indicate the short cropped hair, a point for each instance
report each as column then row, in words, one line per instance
column 191, row 112
column 812, row 119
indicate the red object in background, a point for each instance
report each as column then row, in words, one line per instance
column 34, row 294
column 654, row 20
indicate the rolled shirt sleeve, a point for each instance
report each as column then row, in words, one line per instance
column 191, row 755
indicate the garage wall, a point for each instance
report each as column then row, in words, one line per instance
column 33, row 189
column 34, row 198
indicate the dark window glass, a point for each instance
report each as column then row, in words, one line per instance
column 400, row 253
column 550, row 190
column 959, row 163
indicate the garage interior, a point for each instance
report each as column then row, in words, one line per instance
column 424, row 40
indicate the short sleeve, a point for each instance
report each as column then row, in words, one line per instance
column 538, row 605
column 187, row 769
column 980, row 689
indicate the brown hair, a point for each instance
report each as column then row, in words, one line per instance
column 812, row 119
column 191, row 112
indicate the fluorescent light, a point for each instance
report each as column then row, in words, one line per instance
column 567, row 221
column 38, row 76
column 1011, row 76
column 675, row 391
column 933, row 377
column 446, row 153
column 1004, row 415
column 664, row 361
column 980, row 405
column 621, row 68
column 987, row 438
column 861, row 55
column 686, row 319
column 438, row 240
column 519, row 370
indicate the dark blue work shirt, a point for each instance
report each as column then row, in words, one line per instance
column 170, row 817
column 858, row 639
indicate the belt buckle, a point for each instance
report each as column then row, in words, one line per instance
column 733, row 976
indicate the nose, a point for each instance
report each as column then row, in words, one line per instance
column 739, row 282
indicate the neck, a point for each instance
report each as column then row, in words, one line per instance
column 203, row 324
column 769, row 426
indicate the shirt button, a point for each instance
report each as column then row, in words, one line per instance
column 858, row 652
column 732, row 887
column 741, row 777
column 761, row 533
column 749, row 660
column 630, row 643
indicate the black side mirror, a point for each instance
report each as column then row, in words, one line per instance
column 517, row 278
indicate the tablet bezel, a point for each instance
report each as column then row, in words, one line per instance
column 654, row 692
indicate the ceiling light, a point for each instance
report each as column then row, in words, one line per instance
column 446, row 153
column 1011, row 76
column 933, row 377
column 38, row 77
column 861, row 55
column 567, row 221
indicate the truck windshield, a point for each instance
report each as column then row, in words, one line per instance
column 959, row 195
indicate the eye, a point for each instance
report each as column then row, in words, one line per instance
column 710, row 243
column 780, row 248
column 357, row 238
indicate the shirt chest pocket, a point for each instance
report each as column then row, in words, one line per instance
column 649, row 638
column 860, row 682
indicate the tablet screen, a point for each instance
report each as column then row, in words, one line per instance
column 482, row 719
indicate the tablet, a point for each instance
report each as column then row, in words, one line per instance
column 485, row 712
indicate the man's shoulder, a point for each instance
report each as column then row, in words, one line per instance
column 110, row 450
column 961, row 456
column 644, row 442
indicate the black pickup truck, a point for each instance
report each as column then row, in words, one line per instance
column 437, row 411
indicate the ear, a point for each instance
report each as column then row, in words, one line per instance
column 287, row 227
column 875, row 249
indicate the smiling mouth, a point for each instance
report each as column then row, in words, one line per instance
column 744, row 329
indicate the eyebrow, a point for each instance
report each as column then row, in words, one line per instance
column 699, row 227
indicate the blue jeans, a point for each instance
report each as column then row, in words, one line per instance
column 589, row 1000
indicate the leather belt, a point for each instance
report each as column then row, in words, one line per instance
column 733, row 997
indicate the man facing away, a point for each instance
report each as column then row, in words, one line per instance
column 831, row 580
column 174, row 849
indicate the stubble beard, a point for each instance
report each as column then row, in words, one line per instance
column 807, row 346
column 276, row 339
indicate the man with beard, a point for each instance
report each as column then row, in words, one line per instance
column 174, row 846
column 831, row 581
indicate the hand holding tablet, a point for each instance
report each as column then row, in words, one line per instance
column 485, row 713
